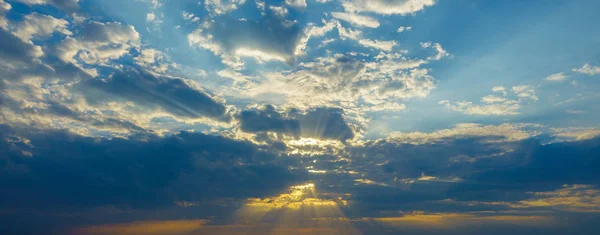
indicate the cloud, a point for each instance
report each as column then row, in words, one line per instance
column 65, row 5
column 296, row 3
column 577, row 198
column 556, row 77
column 153, row 60
column 220, row 7
column 320, row 123
column 440, row 52
column 279, row 11
column 588, row 70
column 356, row 35
column 4, row 7
column 38, row 25
column 387, row 7
column 265, row 39
column 578, row 134
column 176, row 96
column 14, row 51
column 495, row 105
column 403, row 28
column 170, row 227
column 347, row 82
column 142, row 171
column 357, row 20
column 556, row 163
column 494, row 133
column 98, row 43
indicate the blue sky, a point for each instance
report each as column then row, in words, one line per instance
column 379, row 116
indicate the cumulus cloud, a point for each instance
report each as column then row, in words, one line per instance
column 15, row 51
column 588, row 69
column 98, row 43
column 494, row 104
column 320, row 123
column 152, row 59
column 266, row 39
column 279, row 11
column 387, row 7
column 38, row 25
column 344, row 81
column 296, row 3
column 356, row 19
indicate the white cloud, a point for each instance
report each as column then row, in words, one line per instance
column 381, row 45
column 347, row 82
column 356, row 19
column 556, row 77
column 577, row 134
column 4, row 7
column 296, row 3
column 387, row 7
column 66, row 5
column 493, row 104
column 440, row 52
column 220, row 7
column 279, row 11
column 499, row 89
column 39, row 25
column 403, row 28
column 153, row 60
column 356, row 35
column 97, row 43
column 509, row 107
column 525, row 91
column 150, row 17
column 507, row 132
column 588, row 69
column 190, row 16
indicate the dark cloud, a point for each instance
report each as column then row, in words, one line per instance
column 56, row 170
column 173, row 95
column 270, row 35
column 549, row 164
column 14, row 51
column 323, row 123
column 268, row 119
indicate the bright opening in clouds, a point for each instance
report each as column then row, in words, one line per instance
column 299, row 117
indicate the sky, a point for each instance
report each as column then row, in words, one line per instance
column 161, row 117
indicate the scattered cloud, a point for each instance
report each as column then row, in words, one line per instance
column 403, row 28
column 357, row 20
column 588, row 69
column 387, row 7
column 296, row 3
column 494, row 104
column 503, row 132
column 220, row 7
column 556, row 77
